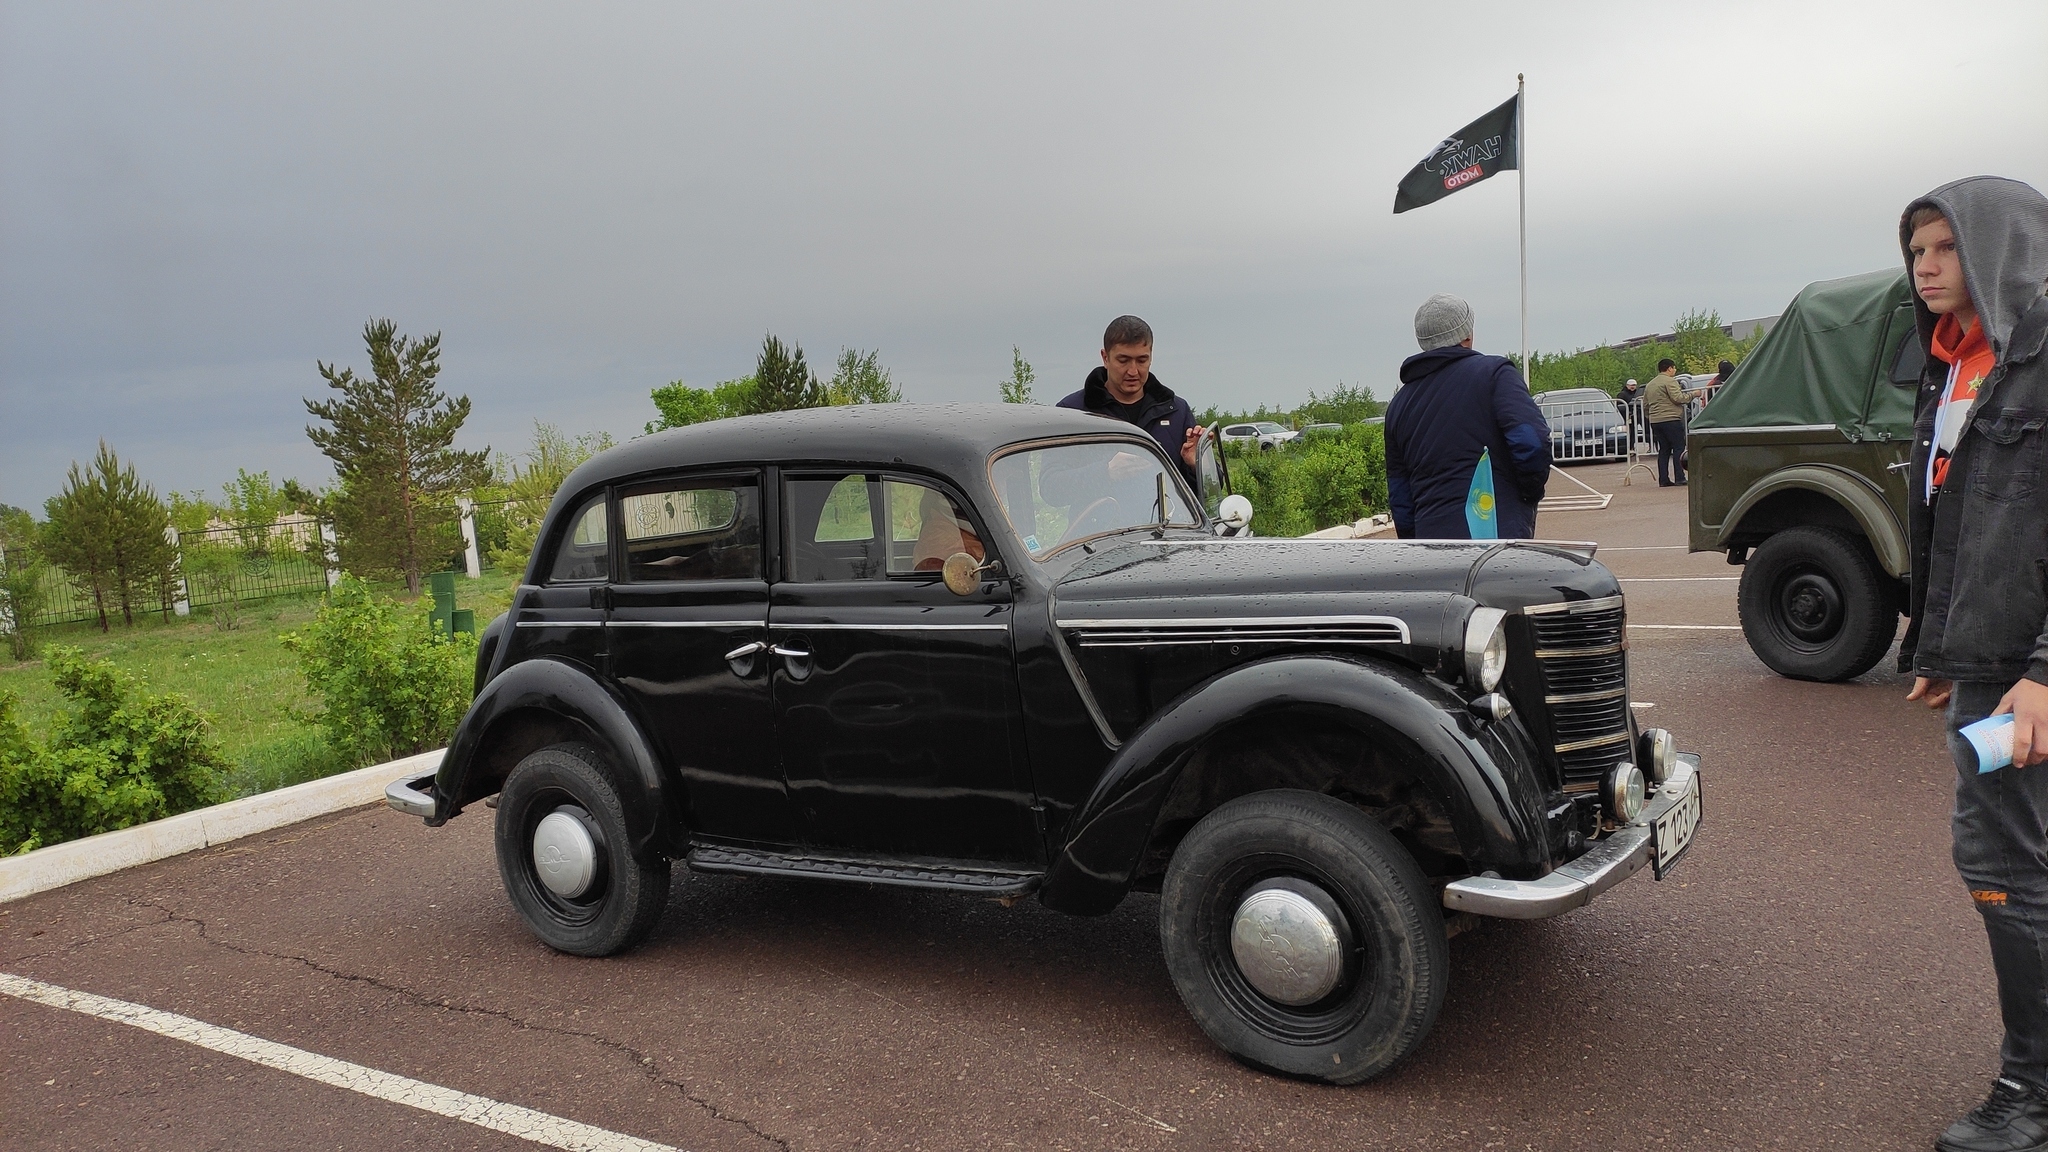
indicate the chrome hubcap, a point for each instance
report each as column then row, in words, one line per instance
column 1289, row 945
column 564, row 855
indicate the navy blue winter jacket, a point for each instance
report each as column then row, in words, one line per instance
column 1166, row 416
column 1453, row 404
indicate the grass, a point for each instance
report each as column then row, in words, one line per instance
column 243, row 679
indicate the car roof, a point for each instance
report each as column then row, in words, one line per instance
column 940, row 436
column 1573, row 394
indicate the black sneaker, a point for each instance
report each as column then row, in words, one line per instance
column 2014, row 1119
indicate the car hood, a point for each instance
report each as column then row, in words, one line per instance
column 1429, row 586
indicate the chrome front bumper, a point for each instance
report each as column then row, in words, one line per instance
column 412, row 795
column 1621, row 855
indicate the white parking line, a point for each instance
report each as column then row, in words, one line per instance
column 511, row 1119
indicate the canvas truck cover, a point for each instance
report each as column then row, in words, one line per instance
column 1828, row 361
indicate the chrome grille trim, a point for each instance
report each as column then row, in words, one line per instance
column 1581, row 654
column 1573, row 607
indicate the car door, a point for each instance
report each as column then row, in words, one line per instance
column 562, row 617
column 895, row 699
column 688, row 631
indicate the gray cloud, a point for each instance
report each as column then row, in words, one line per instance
column 196, row 203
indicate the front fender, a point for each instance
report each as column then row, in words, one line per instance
column 1381, row 702
column 1858, row 497
column 539, row 702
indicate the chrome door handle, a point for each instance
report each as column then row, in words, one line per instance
column 746, row 650
column 779, row 650
column 1901, row 466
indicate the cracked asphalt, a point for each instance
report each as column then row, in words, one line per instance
column 1811, row 977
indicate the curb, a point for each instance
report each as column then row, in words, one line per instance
column 75, row 860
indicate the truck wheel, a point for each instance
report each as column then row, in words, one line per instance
column 566, row 858
column 1814, row 605
column 1303, row 938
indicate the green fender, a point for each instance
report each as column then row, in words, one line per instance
column 1864, row 502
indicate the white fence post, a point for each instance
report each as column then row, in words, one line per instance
column 181, row 597
column 328, row 553
column 6, row 602
column 1638, row 439
column 469, row 558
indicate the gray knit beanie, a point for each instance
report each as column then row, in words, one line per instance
column 1443, row 320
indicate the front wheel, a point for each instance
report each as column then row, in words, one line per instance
column 1815, row 606
column 566, row 859
column 1303, row 938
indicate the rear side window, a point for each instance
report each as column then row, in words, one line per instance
column 1912, row 358
column 581, row 553
column 695, row 530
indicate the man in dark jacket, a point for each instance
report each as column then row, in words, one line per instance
column 1977, row 250
column 1125, row 389
column 1454, row 404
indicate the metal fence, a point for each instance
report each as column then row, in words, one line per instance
column 216, row 567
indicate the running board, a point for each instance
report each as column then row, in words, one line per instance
column 753, row 863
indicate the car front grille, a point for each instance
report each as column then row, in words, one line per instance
column 1584, row 665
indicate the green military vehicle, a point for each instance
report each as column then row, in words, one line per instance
column 1798, row 473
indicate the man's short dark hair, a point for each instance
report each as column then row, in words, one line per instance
column 1126, row 330
column 1666, row 364
column 1923, row 216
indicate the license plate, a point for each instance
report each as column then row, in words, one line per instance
column 1671, row 835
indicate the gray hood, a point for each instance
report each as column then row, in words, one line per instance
column 2001, row 229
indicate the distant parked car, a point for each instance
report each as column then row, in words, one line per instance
column 1584, row 425
column 1265, row 433
column 1314, row 430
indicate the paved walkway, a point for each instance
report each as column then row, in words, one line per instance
column 1812, row 977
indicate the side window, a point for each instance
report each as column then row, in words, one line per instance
column 864, row 526
column 581, row 553
column 694, row 530
column 1911, row 358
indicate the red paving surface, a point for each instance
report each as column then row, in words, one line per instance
column 1812, row 977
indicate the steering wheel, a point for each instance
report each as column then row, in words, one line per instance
column 1084, row 524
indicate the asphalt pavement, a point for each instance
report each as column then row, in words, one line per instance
column 1812, row 976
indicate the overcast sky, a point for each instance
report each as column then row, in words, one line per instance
column 197, row 202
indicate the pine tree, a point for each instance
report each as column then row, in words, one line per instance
column 1017, row 389
column 391, row 438
column 106, row 530
column 785, row 382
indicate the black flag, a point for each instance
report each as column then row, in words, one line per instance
column 1487, row 145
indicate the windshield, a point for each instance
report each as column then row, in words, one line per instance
column 1066, row 493
column 1268, row 428
column 1582, row 408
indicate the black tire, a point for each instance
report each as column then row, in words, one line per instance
column 1815, row 605
column 1397, row 964
column 627, row 895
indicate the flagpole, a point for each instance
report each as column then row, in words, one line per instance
column 1522, row 187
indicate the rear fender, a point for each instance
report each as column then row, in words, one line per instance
column 535, row 703
column 1424, row 724
column 1864, row 504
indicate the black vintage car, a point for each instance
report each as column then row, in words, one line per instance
column 1003, row 650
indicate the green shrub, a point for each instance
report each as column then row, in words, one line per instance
column 120, row 757
column 1313, row 484
column 392, row 685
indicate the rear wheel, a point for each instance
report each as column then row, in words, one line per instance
column 1815, row 605
column 1303, row 938
column 566, row 859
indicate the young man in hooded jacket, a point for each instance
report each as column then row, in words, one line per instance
column 1454, row 404
column 1977, row 250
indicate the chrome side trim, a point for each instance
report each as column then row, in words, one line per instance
column 689, row 623
column 1574, row 607
column 1608, row 862
column 558, row 623
column 412, row 795
column 1309, row 628
column 1169, row 640
column 889, row 627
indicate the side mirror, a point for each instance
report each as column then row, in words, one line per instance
column 963, row 575
column 1235, row 512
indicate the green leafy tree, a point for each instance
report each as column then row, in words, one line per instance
column 22, row 573
column 529, row 485
column 192, row 511
column 106, row 530
column 121, row 756
column 1017, row 389
column 391, row 437
column 861, row 379
column 1346, row 404
column 786, row 382
column 252, row 506
column 680, row 405
column 392, row 683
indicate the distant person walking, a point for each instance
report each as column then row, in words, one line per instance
column 1124, row 388
column 1630, row 401
column 1454, row 406
column 1664, row 405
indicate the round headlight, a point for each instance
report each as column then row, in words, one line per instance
column 1625, row 792
column 1486, row 648
column 1658, row 753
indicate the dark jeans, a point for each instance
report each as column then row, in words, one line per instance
column 1670, row 436
column 2001, row 849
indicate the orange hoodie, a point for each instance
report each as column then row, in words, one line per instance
column 1970, row 358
